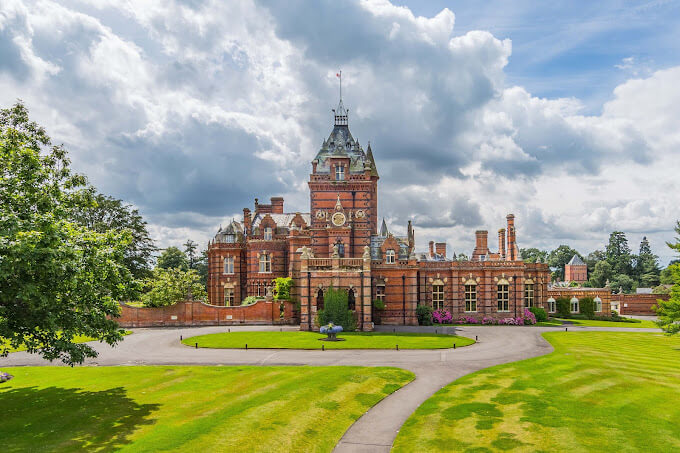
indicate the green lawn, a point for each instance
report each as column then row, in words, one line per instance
column 599, row 391
column 310, row 340
column 182, row 408
column 77, row 339
column 595, row 323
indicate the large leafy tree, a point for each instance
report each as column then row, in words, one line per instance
column 108, row 213
column 618, row 254
column 559, row 257
column 169, row 286
column 173, row 258
column 533, row 255
column 602, row 274
column 647, row 266
column 58, row 278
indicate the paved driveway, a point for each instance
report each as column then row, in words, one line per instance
column 378, row 427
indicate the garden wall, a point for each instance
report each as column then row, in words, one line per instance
column 638, row 304
column 196, row 313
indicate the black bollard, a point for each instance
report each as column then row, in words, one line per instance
column 196, row 345
column 180, row 338
column 476, row 338
column 229, row 330
column 397, row 347
column 246, row 346
column 323, row 347
column 566, row 329
column 454, row 345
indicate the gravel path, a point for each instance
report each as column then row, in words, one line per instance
column 377, row 428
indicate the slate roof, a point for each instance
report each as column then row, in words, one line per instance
column 282, row 220
column 576, row 261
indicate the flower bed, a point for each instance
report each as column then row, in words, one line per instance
column 527, row 318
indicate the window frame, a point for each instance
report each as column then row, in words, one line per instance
column 503, row 297
column 529, row 295
column 470, row 297
column 437, row 296
column 552, row 305
column 228, row 264
column 268, row 233
column 228, row 297
column 574, row 301
column 380, row 293
column 265, row 261
column 390, row 256
column 598, row 304
column 340, row 171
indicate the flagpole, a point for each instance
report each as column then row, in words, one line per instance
column 341, row 84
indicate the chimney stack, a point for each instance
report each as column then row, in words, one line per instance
column 246, row 221
column 481, row 244
column 511, row 237
column 440, row 248
column 431, row 248
column 277, row 205
column 501, row 243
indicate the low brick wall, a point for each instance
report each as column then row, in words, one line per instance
column 196, row 313
column 604, row 294
column 638, row 304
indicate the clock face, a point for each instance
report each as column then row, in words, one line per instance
column 338, row 219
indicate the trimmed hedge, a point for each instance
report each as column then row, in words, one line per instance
column 539, row 313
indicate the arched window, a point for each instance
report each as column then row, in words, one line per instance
column 470, row 295
column 598, row 304
column 351, row 300
column 229, row 265
column 574, row 304
column 529, row 293
column 551, row 305
column 228, row 297
column 503, row 295
column 265, row 263
column 267, row 233
column 389, row 256
column 319, row 300
column 339, row 172
column 438, row 295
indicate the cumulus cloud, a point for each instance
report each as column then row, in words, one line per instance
column 189, row 110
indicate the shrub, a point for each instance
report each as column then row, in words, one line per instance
column 442, row 316
column 336, row 310
column 529, row 317
column 379, row 304
column 587, row 307
column 169, row 286
column 379, row 307
column 250, row 300
column 539, row 314
column 424, row 314
column 563, row 307
column 282, row 288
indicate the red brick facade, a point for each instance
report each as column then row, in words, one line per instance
column 604, row 294
column 338, row 244
column 638, row 304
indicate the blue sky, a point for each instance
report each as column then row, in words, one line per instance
column 563, row 113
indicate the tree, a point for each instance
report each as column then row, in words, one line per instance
column 173, row 258
column 533, row 255
column 58, row 279
column 602, row 273
column 107, row 213
column 190, row 252
column 586, row 307
column 647, row 266
column 622, row 282
column 169, row 286
column 336, row 310
column 675, row 245
column 201, row 266
column 593, row 258
column 618, row 253
column 283, row 285
column 669, row 311
column 559, row 257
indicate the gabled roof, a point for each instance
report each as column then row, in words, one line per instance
column 576, row 261
column 281, row 220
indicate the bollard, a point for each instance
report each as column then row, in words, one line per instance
column 454, row 345
column 180, row 338
column 397, row 347
column 196, row 346
column 323, row 347
column 246, row 346
column 476, row 338
column 435, row 331
column 229, row 330
column 566, row 329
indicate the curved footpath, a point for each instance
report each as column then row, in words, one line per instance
column 378, row 427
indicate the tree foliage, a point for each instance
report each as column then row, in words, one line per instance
column 533, row 255
column 669, row 311
column 59, row 279
column 283, row 285
column 169, row 286
column 336, row 310
column 106, row 214
column 190, row 248
column 602, row 274
column 586, row 306
column 618, row 253
column 559, row 257
column 563, row 305
column 173, row 258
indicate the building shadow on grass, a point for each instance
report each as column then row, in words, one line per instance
column 55, row 418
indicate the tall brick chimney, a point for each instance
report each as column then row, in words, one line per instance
column 440, row 248
column 481, row 244
column 511, row 237
column 277, row 205
column 431, row 248
column 501, row 243
column 246, row 221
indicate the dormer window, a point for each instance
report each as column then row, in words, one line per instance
column 389, row 256
column 339, row 172
column 267, row 233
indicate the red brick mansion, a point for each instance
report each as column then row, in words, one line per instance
column 337, row 243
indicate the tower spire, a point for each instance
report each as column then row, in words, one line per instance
column 340, row 112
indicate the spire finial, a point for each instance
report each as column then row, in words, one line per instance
column 339, row 76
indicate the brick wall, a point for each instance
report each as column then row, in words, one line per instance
column 195, row 313
column 638, row 304
column 604, row 294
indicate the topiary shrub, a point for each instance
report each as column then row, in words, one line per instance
column 424, row 314
column 586, row 307
column 336, row 310
column 563, row 307
column 539, row 313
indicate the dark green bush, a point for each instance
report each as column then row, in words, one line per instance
column 539, row 313
column 424, row 313
column 336, row 310
column 586, row 306
column 563, row 307
column 378, row 304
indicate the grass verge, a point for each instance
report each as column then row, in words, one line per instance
column 185, row 408
column 77, row 339
column 641, row 324
column 311, row 340
column 598, row 391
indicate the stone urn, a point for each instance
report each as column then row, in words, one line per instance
column 331, row 332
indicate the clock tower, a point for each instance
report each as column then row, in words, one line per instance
column 343, row 193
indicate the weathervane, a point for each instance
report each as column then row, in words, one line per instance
column 339, row 76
